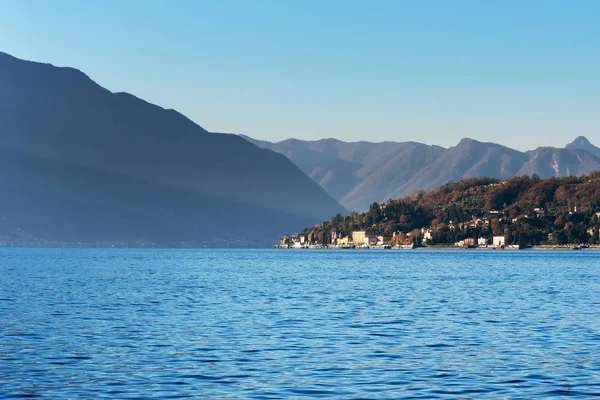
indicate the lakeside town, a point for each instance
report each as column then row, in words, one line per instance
column 483, row 213
column 370, row 240
column 398, row 240
column 418, row 238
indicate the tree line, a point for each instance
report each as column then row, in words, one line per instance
column 525, row 210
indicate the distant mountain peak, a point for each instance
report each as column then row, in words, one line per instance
column 470, row 143
column 465, row 141
column 580, row 141
column 359, row 173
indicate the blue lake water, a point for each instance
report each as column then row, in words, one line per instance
column 299, row 323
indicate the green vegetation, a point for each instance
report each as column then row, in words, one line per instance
column 525, row 210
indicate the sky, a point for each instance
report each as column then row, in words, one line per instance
column 519, row 73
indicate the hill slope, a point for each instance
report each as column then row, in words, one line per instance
column 549, row 161
column 59, row 125
column 521, row 211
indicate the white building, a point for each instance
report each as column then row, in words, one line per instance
column 481, row 242
column 498, row 240
column 426, row 234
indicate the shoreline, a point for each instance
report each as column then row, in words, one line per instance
column 444, row 247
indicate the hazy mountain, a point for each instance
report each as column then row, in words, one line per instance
column 584, row 144
column 384, row 177
column 468, row 159
column 550, row 161
column 360, row 173
column 333, row 172
column 82, row 163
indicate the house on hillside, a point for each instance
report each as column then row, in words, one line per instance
column 298, row 241
column 336, row 237
column 426, row 234
column 498, row 241
column 363, row 238
column 345, row 241
column 384, row 238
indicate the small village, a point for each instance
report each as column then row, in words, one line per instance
column 424, row 237
column 480, row 213
column 398, row 240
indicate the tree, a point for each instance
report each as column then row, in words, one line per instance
column 456, row 203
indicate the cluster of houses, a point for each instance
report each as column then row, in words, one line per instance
column 399, row 240
column 370, row 240
column 496, row 242
column 477, row 222
column 358, row 239
column 363, row 239
column 296, row 241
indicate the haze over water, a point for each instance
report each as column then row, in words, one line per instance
column 272, row 324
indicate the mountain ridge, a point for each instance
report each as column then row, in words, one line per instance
column 59, row 116
column 395, row 169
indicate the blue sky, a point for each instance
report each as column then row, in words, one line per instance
column 519, row 73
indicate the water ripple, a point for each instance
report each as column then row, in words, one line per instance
column 313, row 324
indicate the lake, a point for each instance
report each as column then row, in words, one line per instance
column 299, row 323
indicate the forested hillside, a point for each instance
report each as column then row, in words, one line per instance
column 525, row 210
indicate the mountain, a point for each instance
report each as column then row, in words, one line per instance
column 80, row 163
column 549, row 161
column 333, row 173
column 468, row 159
column 386, row 176
column 584, row 144
column 360, row 173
